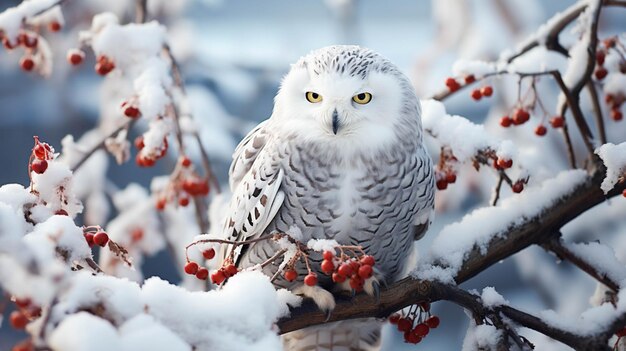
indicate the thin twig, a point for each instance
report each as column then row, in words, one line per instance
column 496, row 196
column 141, row 11
column 273, row 258
column 86, row 155
column 597, row 111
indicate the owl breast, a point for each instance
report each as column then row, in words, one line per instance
column 367, row 201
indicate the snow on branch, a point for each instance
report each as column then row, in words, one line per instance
column 614, row 158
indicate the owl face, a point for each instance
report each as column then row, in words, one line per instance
column 341, row 96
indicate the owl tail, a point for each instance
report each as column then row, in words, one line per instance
column 353, row 335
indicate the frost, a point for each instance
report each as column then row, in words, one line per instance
column 614, row 157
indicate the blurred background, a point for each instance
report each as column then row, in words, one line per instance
column 233, row 55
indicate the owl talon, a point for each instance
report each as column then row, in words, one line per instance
column 324, row 300
column 328, row 314
column 376, row 291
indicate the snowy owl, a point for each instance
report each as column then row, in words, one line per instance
column 342, row 158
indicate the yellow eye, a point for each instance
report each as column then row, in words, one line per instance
column 362, row 98
column 313, row 97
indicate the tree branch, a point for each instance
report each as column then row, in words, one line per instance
column 556, row 246
column 534, row 230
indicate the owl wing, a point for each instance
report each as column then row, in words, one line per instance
column 255, row 180
column 426, row 196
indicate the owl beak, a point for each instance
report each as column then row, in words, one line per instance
column 335, row 122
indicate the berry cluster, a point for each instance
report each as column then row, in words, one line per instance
column 343, row 267
column 227, row 270
column 605, row 47
column 30, row 41
column 94, row 235
column 415, row 324
column 42, row 153
column 148, row 159
column 476, row 94
column 184, row 183
column 25, row 312
column 446, row 169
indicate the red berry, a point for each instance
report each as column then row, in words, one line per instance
column 218, row 277
column 518, row 187
column 183, row 201
column 191, row 268
column 600, row 55
column 40, row 152
column 231, row 270
column 208, row 254
column 421, row 330
column 27, row 63
column 541, row 130
column 601, row 73
column 139, row 142
column 345, row 269
column 136, row 235
column 476, row 94
column 23, row 303
column 39, row 166
column 290, row 275
column 412, row 338
column 202, row 273
column 7, row 43
column 405, row 324
column 104, row 66
column 616, row 115
column 29, row 41
column 470, row 79
column 486, row 91
column 132, row 112
column 520, row 116
column 327, row 266
column 442, row 184
column 624, row 193
column 89, row 239
column 609, row 98
column 100, row 238
column 144, row 161
column 432, row 322
column 339, row 278
column 365, row 271
column 425, row 306
column 504, row 164
column 452, row 84
column 310, row 279
column 329, row 255
column 394, row 318
column 18, row 320
column 185, row 161
column 557, row 121
column 75, row 56
column 356, row 283
column 450, row 178
column 61, row 212
column 24, row 345
column 160, row 204
column 54, row 26
column 505, row 121
column 354, row 264
column 368, row 260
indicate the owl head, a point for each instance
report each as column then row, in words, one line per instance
column 347, row 95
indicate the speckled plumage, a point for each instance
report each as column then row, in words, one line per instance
column 370, row 184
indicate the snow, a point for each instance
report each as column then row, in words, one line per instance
column 538, row 59
column 60, row 231
column 465, row 138
column 481, row 337
column 477, row 68
column 491, row 298
column 614, row 158
column 476, row 229
column 54, row 188
column 322, row 245
column 601, row 257
column 93, row 331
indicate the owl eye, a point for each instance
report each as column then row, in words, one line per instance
column 362, row 98
column 313, row 97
